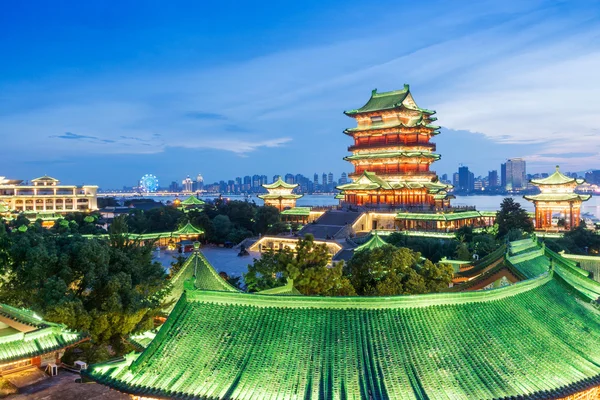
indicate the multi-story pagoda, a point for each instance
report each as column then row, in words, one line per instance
column 280, row 195
column 392, row 154
column 557, row 197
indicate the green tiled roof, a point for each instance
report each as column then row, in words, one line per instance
column 40, row 337
column 388, row 101
column 416, row 123
column 192, row 201
column 280, row 183
column 392, row 154
column 142, row 340
column 286, row 290
column 557, row 178
column 531, row 339
column 279, row 196
column 206, row 278
column 558, row 197
column 370, row 181
column 302, row 211
column 188, row 229
column 374, row 242
column 438, row 217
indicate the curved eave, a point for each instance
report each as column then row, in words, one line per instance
column 351, row 131
column 276, row 197
column 557, row 198
column 280, row 183
column 375, row 156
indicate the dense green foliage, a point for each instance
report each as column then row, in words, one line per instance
column 389, row 270
column 223, row 221
column 307, row 266
column 381, row 272
column 108, row 288
column 465, row 244
column 512, row 217
column 578, row 240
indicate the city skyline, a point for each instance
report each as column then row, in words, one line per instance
column 155, row 95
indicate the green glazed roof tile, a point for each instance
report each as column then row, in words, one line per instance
column 280, row 183
column 557, row 178
column 192, row 201
column 222, row 345
column 188, row 229
column 302, row 211
column 40, row 337
column 386, row 101
column 373, row 243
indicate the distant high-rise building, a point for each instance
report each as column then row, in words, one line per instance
column 264, row 180
column 198, row 183
column 289, row 178
column 247, row 182
column 503, row 176
column 275, row 177
column 174, row 187
column 188, row 184
column 478, row 184
column 593, row 177
column 466, row 179
column 455, row 180
column 324, row 182
column 344, row 178
column 515, row 174
column 493, row 179
column 330, row 179
column 316, row 179
column 255, row 181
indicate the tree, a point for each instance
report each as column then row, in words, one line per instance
column 308, row 265
column 462, row 252
column 388, row 271
column 312, row 274
column 430, row 248
column 266, row 217
column 109, row 288
column 512, row 216
column 269, row 271
column 222, row 226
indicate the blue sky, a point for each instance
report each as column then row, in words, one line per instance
column 104, row 92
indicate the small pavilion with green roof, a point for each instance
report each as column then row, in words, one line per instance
column 374, row 242
column 27, row 340
column 280, row 195
column 557, row 197
column 190, row 203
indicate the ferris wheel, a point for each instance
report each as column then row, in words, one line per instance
column 149, row 183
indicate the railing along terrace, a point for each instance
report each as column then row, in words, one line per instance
column 359, row 146
column 416, row 209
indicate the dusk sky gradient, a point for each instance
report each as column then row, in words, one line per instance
column 104, row 92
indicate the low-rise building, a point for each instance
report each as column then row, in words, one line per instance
column 46, row 194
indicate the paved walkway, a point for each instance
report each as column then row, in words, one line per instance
column 64, row 387
column 227, row 260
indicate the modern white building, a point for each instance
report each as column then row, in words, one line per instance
column 46, row 194
column 516, row 174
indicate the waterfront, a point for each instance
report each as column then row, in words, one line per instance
column 482, row 203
